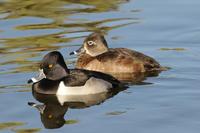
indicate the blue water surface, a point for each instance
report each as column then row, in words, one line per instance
column 169, row 31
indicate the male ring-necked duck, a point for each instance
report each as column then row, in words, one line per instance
column 95, row 55
column 56, row 78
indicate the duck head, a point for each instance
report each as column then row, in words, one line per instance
column 52, row 67
column 95, row 44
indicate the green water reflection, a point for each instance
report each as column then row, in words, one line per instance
column 27, row 130
column 56, row 10
column 9, row 125
column 20, row 51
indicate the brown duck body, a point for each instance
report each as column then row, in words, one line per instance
column 118, row 60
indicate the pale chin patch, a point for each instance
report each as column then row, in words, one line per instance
column 93, row 54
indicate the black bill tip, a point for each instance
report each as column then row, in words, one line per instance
column 31, row 103
column 30, row 81
column 72, row 53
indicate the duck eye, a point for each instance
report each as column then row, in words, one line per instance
column 90, row 43
column 50, row 66
column 50, row 116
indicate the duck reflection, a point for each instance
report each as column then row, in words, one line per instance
column 51, row 114
column 54, row 107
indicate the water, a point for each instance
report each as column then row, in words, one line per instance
column 30, row 29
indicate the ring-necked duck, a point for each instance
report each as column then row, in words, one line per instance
column 95, row 55
column 56, row 78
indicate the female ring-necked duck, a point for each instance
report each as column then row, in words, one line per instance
column 95, row 55
column 56, row 78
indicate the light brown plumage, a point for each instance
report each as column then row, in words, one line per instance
column 118, row 60
column 122, row 63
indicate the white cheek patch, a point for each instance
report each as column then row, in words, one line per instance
column 92, row 86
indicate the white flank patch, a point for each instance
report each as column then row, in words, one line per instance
column 92, row 86
column 88, row 100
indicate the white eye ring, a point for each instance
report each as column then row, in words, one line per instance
column 90, row 43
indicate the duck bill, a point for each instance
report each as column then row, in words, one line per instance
column 39, row 107
column 78, row 52
column 40, row 76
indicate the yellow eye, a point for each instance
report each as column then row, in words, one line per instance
column 50, row 66
column 50, row 116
